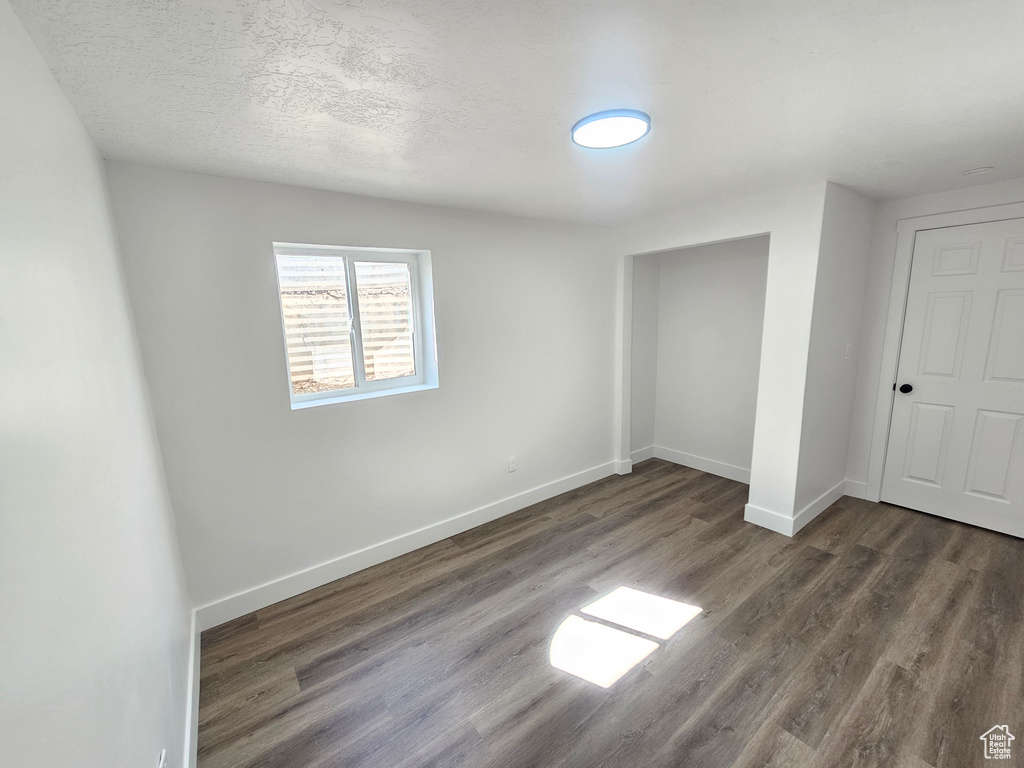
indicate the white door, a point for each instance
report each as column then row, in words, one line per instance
column 956, row 440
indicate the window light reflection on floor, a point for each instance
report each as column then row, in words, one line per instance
column 598, row 654
column 601, row 654
column 643, row 612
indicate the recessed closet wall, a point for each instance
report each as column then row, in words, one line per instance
column 698, row 315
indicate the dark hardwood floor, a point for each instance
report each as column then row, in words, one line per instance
column 875, row 637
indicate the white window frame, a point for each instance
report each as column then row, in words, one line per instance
column 423, row 334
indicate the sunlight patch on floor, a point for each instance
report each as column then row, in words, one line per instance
column 601, row 654
column 652, row 615
column 595, row 652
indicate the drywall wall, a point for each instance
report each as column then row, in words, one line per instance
column 793, row 218
column 871, row 389
column 263, row 493
column 94, row 617
column 835, row 329
column 646, row 292
column 711, row 313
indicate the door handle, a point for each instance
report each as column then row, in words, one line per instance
column 906, row 389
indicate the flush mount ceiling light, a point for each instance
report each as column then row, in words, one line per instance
column 611, row 128
column 976, row 171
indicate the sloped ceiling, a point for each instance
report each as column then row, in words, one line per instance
column 470, row 102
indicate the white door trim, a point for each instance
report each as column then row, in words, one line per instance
column 907, row 230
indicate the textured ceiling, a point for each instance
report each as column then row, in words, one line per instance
column 470, row 102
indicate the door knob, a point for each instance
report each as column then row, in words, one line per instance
column 906, row 389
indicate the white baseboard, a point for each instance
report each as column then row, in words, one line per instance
column 192, row 699
column 786, row 525
column 642, row 455
column 220, row 611
column 856, row 489
column 819, row 505
column 623, row 467
column 704, row 465
column 773, row 521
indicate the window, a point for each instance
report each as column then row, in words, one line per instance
column 358, row 322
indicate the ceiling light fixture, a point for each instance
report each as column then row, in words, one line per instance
column 976, row 171
column 611, row 128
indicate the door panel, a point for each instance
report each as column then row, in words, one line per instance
column 1006, row 353
column 993, row 453
column 1014, row 260
column 945, row 332
column 927, row 443
column 959, row 259
column 956, row 441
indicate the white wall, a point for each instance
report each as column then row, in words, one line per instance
column 646, row 292
column 831, row 376
column 881, row 260
column 94, row 617
column 711, row 317
column 793, row 218
column 262, row 492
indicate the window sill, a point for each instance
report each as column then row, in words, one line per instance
column 361, row 396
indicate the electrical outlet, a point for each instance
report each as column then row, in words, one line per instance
column 511, row 463
column 163, row 759
column 849, row 348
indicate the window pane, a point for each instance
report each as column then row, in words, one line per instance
column 316, row 324
column 385, row 315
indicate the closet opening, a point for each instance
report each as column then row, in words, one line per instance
column 697, row 321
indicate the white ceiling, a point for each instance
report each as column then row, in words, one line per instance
column 470, row 102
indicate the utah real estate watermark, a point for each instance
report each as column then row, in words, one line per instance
column 997, row 742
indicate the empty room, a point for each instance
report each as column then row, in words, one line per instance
column 396, row 383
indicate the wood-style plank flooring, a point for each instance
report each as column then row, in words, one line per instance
column 875, row 637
